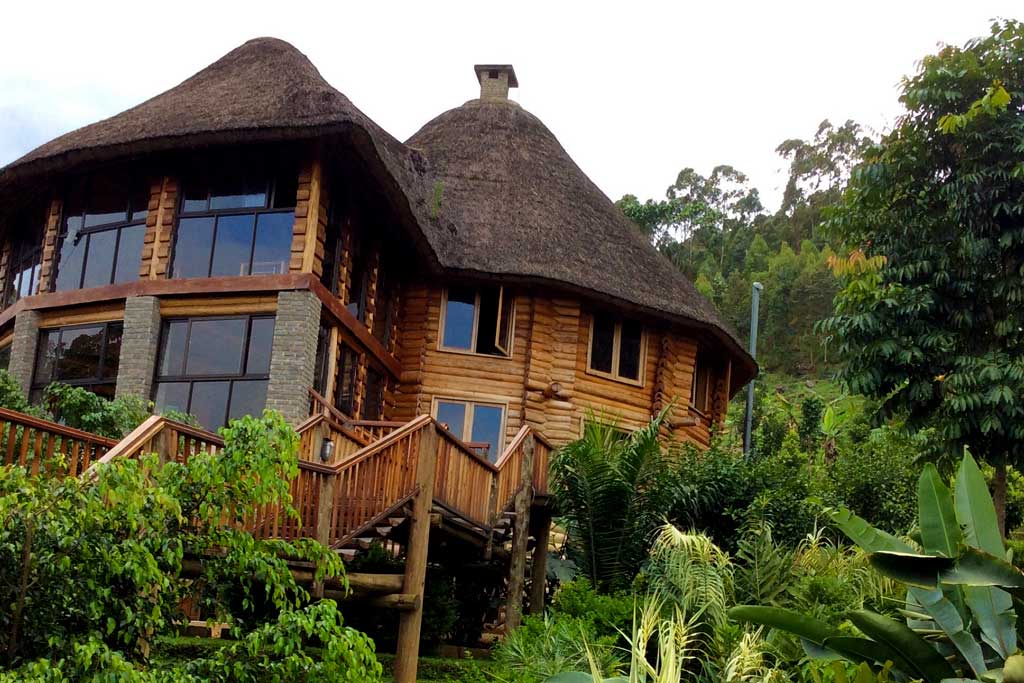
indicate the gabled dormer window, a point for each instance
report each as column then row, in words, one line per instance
column 477, row 320
column 103, row 228
column 616, row 348
column 235, row 220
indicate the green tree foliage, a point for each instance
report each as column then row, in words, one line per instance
column 93, row 570
column 716, row 231
column 931, row 315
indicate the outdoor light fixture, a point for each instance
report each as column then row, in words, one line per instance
column 326, row 450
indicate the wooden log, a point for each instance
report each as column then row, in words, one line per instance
column 517, row 568
column 410, row 622
column 539, row 569
column 375, row 583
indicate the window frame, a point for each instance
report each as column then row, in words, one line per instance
column 700, row 367
column 616, row 350
column 86, row 232
column 19, row 254
column 476, row 324
column 97, row 379
column 216, row 214
column 467, row 427
column 242, row 376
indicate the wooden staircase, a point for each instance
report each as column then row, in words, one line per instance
column 383, row 482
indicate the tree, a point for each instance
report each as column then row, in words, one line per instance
column 931, row 315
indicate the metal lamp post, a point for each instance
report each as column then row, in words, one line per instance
column 755, row 301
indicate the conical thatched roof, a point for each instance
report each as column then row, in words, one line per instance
column 523, row 208
column 488, row 186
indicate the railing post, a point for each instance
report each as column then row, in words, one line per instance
column 416, row 556
column 539, row 568
column 517, row 566
column 492, row 516
column 324, row 520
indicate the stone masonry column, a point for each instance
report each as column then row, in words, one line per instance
column 23, row 348
column 293, row 358
column 139, row 346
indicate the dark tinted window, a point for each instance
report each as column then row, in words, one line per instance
column 602, row 344
column 25, row 256
column 215, row 368
column 373, row 404
column 102, row 231
column 247, row 209
column 79, row 355
column 629, row 350
column 345, row 383
column 358, row 271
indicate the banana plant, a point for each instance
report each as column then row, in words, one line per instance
column 959, row 618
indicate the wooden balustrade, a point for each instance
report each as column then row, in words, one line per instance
column 372, row 469
column 48, row 447
column 463, row 479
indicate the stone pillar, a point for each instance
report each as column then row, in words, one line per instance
column 293, row 357
column 139, row 346
column 23, row 348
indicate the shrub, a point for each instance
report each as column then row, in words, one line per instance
column 93, row 569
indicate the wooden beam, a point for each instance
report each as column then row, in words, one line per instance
column 539, row 569
column 375, row 583
column 416, row 556
column 312, row 214
column 355, row 329
column 520, row 533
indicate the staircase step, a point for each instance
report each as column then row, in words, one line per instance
column 365, row 543
column 396, row 521
column 383, row 531
column 348, row 554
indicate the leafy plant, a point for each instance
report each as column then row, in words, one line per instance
column 94, row 569
column 952, row 596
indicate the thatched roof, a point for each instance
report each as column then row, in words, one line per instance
column 525, row 209
column 488, row 186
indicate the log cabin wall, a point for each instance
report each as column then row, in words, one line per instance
column 545, row 381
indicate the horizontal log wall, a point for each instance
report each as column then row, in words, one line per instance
column 545, row 383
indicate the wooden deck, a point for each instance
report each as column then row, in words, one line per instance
column 392, row 481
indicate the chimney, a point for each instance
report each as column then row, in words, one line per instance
column 495, row 80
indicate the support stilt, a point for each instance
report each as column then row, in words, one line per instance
column 539, row 570
column 520, row 534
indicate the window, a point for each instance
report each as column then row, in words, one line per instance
column 235, row 220
column 25, row 259
column 482, row 423
column 103, row 228
column 616, row 348
column 216, row 369
column 322, row 364
column 383, row 314
column 477, row 320
column 80, row 355
column 345, row 384
column 700, row 388
column 358, row 280
column 373, row 404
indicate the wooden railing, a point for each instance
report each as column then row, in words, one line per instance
column 510, row 466
column 373, row 430
column 358, row 488
column 48, row 447
column 464, row 479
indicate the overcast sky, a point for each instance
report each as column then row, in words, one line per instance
column 635, row 91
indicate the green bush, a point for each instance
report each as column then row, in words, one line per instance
column 91, row 570
column 609, row 614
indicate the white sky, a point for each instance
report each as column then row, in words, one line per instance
column 635, row 91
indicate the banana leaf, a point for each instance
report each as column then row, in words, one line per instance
column 920, row 658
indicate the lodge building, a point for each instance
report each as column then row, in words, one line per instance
column 250, row 235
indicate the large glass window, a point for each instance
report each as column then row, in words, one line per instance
column 25, row 259
column 235, row 220
column 80, row 355
column 216, row 369
column 102, row 232
column 477, row 320
column 383, row 314
column 616, row 348
column 373, row 403
column 358, row 280
column 476, row 423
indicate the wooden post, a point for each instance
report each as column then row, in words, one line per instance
column 492, row 517
column 539, row 570
column 416, row 556
column 520, row 533
column 324, row 515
